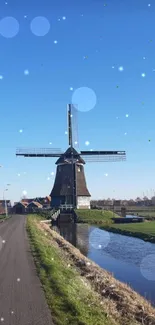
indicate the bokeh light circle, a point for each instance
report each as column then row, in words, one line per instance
column 84, row 99
column 99, row 239
column 9, row 27
column 40, row 26
column 147, row 267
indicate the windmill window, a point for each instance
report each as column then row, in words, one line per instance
column 79, row 169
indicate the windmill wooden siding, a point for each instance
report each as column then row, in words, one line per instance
column 83, row 195
column 62, row 192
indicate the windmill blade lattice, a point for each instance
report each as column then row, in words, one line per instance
column 103, row 156
column 39, row 152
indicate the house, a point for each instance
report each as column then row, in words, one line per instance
column 20, row 208
column 31, row 207
column 44, row 201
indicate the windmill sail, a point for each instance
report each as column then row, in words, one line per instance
column 103, row 156
column 70, row 125
column 39, row 152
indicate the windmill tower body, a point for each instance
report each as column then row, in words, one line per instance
column 70, row 184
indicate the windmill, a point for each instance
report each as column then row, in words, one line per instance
column 70, row 186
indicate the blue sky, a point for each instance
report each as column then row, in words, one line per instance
column 46, row 62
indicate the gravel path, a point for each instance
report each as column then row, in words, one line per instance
column 22, row 300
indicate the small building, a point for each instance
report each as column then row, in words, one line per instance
column 31, row 207
column 19, row 208
column 117, row 203
column 44, row 201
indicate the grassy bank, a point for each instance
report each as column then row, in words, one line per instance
column 70, row 301
column 95, row 216
column 77, row 290
column 144, row 230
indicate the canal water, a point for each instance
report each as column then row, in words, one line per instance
column 129, row 259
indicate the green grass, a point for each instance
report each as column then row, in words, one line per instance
column 95, row 216
column 2, row 216
column 70, row 301
column 144, row 230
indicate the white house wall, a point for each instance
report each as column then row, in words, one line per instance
column 83, row 202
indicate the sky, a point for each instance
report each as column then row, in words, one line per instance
column 99, row 55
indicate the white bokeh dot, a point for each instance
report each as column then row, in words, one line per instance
column 18, row 279
column 121, row 68
column 9, row 27
column 40, row 26
column 143, row 75
column 84, row 99
column 99, row 239
column 26, row 72
column 87, row 143
column 2, row 319
column 1, row 77
column 147, row 267
column 55, row 42
column 24, row 192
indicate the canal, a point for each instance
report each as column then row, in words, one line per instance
column 129, row 259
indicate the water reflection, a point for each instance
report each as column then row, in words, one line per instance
column 118, row 254
column 76, row 235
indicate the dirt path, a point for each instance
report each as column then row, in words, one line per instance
column 22, row 300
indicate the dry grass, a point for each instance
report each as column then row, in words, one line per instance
column 119, row 300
